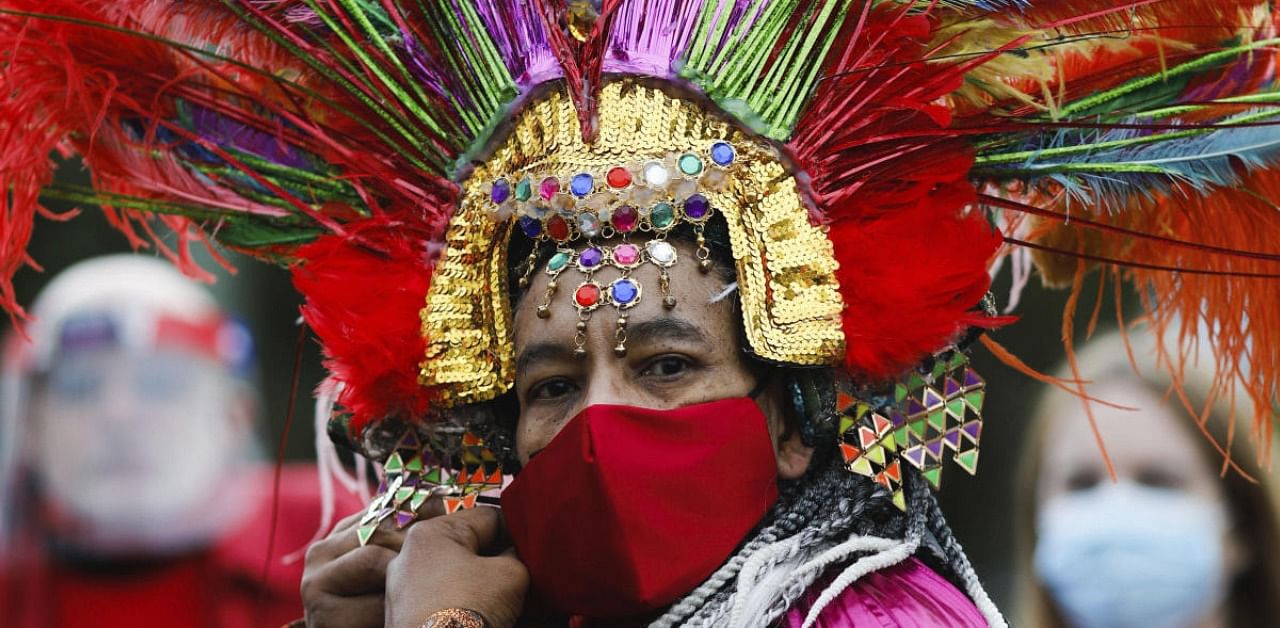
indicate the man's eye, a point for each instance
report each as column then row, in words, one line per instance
column 552, row 390
column 666, row 366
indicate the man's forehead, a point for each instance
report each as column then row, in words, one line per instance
column 662, row 330
column 697, row 312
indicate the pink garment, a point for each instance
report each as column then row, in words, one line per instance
column 906, row 595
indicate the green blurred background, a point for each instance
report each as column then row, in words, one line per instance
column 979, row 508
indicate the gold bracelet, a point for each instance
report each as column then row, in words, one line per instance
column 455, row 618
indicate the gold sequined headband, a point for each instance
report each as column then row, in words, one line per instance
column 658, row 158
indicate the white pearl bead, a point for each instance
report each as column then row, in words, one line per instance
column 656, row 175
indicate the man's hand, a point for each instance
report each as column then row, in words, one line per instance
column 444, row 564
column 343, row 584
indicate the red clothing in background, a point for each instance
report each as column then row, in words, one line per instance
column 222, row 587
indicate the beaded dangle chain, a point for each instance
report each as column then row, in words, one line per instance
column 652, row 200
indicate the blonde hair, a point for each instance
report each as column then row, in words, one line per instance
column 1211, row 413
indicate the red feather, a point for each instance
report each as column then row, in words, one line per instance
column 890, row 178
column 362, row 301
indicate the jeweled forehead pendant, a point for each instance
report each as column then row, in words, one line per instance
column 591, row 216
column 599, row 209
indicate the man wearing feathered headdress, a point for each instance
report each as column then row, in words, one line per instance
column 700, row 276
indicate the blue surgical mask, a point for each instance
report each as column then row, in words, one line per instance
column 1122, row 555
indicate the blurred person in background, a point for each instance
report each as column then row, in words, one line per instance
column 1168, row 543
column 133, row 493
column 410, row 161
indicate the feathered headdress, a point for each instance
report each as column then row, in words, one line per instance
column 871, row 158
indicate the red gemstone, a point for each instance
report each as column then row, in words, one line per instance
column 618, row 177
column 557, row 228
column 587, row 295
column 624, row 219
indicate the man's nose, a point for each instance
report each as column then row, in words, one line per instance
column 607, row 384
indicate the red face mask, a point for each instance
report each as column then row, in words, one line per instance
column 628, row 508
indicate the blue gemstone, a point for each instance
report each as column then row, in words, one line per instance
column 501, row 191
column 581, row 184
column 530, row 226
column 722, row 153
column 624, row 291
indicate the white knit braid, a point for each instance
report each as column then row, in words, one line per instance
column 793, row 585
column 889, row 557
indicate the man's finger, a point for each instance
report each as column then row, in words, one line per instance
column 349, row 521
column 340, row 541
column 358, row 572
column 475, row 529
column 390, row 537
column 432, row 508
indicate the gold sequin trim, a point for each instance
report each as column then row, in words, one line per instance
column 786, row 267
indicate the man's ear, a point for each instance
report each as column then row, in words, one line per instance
column 793, row 456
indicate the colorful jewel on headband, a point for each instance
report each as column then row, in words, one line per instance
column 933, row 413
column 412, row 474
column 644, row 196
column 622, row 293
column 653, row 197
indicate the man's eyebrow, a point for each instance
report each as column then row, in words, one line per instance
column 542, row 351
column 666, row 329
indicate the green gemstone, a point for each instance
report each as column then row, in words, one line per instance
column 558, row 261
column 662, row 216
column 899, row 500
column 524, row 190
column 938, row 369
column 418, row 498
column 690, row 164
column 364, row 532
column 917, row 427
column 889, row 443
column 934, row 476
column 902, row 437
column 394, row 464
column 968, row 461
column 846, row 423
column 938, row 420
column 414, row 465
column 876, row 454
column 403, row 494
column 899, row 392
column 914, row 381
